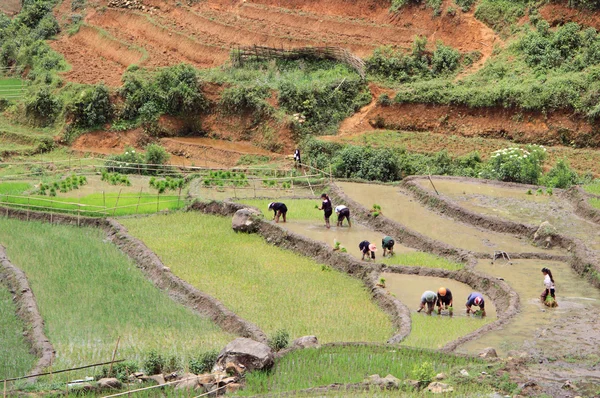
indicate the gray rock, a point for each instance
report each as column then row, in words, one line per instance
column 440, row 376
column 109, row 382
column 464, row 372
column 246, row 220
column 545, row 234
column 488, row 352
column 189, row 381
column 439, row 388
column 391, row 382
column 306, row 342
column 252, row 354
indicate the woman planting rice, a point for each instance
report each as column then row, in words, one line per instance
column 549, row 283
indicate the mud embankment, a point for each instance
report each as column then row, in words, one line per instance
column 582, row 259
column 322, row 253
column 580, row 200
column 28, row 311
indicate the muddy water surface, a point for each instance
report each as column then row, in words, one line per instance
column 526, row 331
column 409, row 212
column 348, row 237
column 515, row 205
column 435, row 331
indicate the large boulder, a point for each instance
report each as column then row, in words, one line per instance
column 246, row 220
column 247, row 352
column 545, row 235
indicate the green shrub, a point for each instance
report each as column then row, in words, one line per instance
column 43, row 106
column 47, row 27
column 516, row 164
column 500, row 14
column 445, row 60
column 465, row 5
column 560, row 176
column 279, row 340
column 239, row 99
column 77, row 4
column 91, row 107
column 120, row 370
column 156, row 155
column 204, row 362
column 423, row 373
column 367, row 163
column 154, row 363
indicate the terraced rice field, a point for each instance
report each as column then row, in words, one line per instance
column 271, row 287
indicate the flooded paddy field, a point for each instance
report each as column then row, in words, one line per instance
column 406, row 210
column 513, row 203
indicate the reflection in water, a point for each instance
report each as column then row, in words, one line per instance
column 525, row 277
column 409, row 212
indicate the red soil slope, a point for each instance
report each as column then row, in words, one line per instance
column 10, row 7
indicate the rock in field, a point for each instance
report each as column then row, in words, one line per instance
column 439, row 388
column 545, row 234
column 247, row 352
column 488, row 352
column 189, row 381
column 306, row 342
column 246, row 220
column 109, row 382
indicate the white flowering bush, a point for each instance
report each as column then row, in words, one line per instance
column 516, row 164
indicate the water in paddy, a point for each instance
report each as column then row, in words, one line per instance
column 572, row 292
column 514, row 204
column 409, row 212
column 436, row 331
column 348, row 237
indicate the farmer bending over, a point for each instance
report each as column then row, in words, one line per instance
column 549, row 283
column 428, row 298
column 326, row 207
column 444, row 300
column 342, row 212
column 388, row 245
column 367, row 249
column 476, row 299
column 279, row 209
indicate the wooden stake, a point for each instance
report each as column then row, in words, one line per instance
column 113, row 356
column 117, row 203
column 157, row 201
column 138, row 203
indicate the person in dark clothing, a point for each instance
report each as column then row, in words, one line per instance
column 476, row 299
column 279, row 209
column 388, row 245
column 343, row 212
column 444, row 300
column 327, row 209
column 297, row 157
column 368, row 249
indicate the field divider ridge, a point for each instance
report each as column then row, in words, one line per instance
column 321, row 253
column 179, row 290
column 27, row 310
column 583, row 260
column 580, row 201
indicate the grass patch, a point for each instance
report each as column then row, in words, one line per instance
column 422, row 259
column 319, row 367
column 89, row 293
column 274, row 288
column 14, row 188
column 593, row 188
column 14, row 351
column 595, row 202
column 298, row 209
column 11, row 88
column 441, row 330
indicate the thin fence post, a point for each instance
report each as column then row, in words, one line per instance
column 117, row 203
column 78, row 210
column 138, row 203
column 28, row 206
column 157, row 200
column 4, row 388
column 113, row 356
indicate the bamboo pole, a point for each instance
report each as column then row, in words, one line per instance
column 112, row 360
column 117, row 203
column 138, row 203
column 62, row 370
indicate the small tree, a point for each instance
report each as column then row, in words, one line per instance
column 156, row 155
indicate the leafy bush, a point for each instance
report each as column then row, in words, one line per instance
column 367, row 163
column 115, row 178
column 43, row 106
column 166, row 184
column 156, row 155
column 560, row 176
column 154, row 363
column 204, row 362
column 516, row 164
column 128, row 162
column 47, row 28
column 500, row 14
column 279, row 340
column 120, row 370
column 91, row 107
column 423, row 373
column 465, row 5
column 239, row 99
column 445, row 59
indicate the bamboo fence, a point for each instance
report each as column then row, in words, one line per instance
column 255, row 53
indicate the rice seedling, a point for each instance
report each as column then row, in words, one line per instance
column 14, row 188
column 14, row 351
column 421, row 259
column 89, row 294
column 437, row 331
column 298, row 209
column 327, row 365
column 166, row 184
column 274, row 288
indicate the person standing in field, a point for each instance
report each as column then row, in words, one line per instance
column 549, row 283
column 342, row 212
column 388, row 245
column 368, row 249
column 428, row 299
column 279, row 209
column 327, row 209
column 297, row 157
column 476, row 299
column 444, row 300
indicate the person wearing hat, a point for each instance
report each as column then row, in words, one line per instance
column 327, row 209
column 388, row 245
column 428, row 298
column 279, row 209
column 476, row 299
column 368, row 249
column 342, row 212
column 444, row 300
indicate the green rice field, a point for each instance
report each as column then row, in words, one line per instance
column 298, row 209
column 90, row 294
column 11, row 88
column 421, row 259
column 272, row 287
column 14, row 351
column 437, row 331
column 320, row 367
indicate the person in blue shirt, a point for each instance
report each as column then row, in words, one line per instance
column 476, row 299
column 428, row 298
